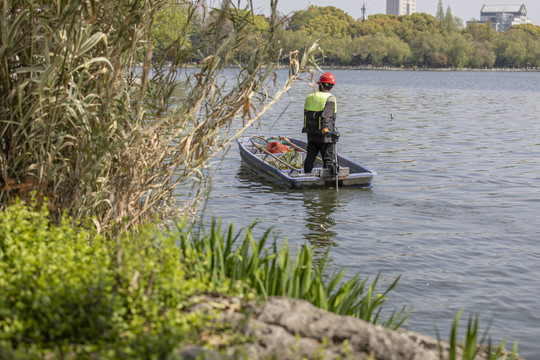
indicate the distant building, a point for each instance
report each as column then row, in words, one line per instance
column 400, row 7
column 504, row 16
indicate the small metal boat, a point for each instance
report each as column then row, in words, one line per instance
column 275, row 167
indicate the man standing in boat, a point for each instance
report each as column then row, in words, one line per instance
column 320, row 111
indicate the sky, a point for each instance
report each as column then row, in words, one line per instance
column 464, row 9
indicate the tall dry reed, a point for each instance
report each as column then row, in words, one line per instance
column 80, row 127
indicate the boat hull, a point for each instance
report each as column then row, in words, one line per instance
column 351, row 173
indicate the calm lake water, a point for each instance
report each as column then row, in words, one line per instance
column 454, row 210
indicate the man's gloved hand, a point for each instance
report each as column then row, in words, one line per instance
column 334, row 134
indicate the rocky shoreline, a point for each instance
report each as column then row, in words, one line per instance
column 291, row 329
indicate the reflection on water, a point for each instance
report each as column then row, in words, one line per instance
column 320, row 206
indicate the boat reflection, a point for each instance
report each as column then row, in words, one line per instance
column 320, row 206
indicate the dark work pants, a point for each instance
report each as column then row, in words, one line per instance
column 313, row 149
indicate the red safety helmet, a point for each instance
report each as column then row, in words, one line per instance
column 327, row 78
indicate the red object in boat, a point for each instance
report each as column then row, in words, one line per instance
column 275, row 147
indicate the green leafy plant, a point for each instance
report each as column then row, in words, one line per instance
column 66, row 292
column 470, row 344
column 292, row 158
column 220, row 255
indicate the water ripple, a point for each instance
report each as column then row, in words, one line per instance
column 455, row 206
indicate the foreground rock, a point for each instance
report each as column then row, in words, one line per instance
column 294, row 329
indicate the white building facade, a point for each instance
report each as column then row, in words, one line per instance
column 504, row 16
column 400, row 7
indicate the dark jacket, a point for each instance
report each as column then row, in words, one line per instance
column 320, row 110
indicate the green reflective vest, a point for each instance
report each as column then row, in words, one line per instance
column 313, row 109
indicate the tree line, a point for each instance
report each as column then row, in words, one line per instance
column 419, row 40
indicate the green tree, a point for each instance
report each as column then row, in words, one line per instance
column 451, row 23
column 459, row 50
column 295, row 40
column 171, row 25
column 398, row 53
column 511, row 49
column 386, row 24
column 360, row 50
column 533, row 53
column 252, row 29
column 480, row 32
column 482, row 56
column 412, row 25
column 440, row 12
column 377, row 49
column 429, row 50
column 532, row 30
column 337, row 51
column 328, row 20
column 251, row 24
column 529, row 34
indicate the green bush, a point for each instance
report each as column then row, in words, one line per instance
column 69, row 293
